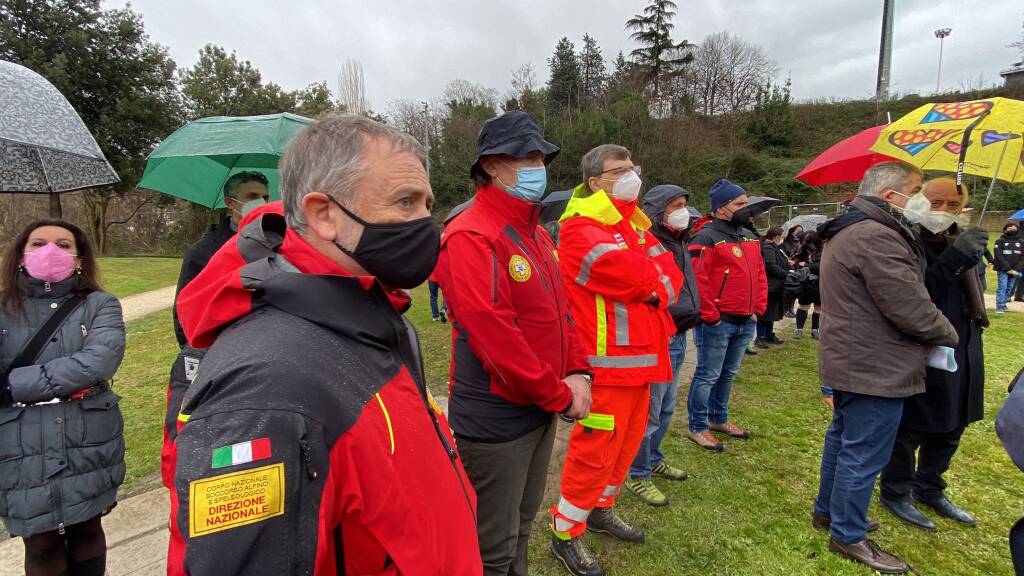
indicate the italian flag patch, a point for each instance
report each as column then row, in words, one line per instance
column 241, row 453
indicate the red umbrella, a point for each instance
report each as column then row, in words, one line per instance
column 846, row 161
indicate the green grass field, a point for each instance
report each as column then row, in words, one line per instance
column 142, row 383
column 127, row 276
column 747, row 510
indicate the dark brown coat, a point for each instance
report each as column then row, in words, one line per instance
column 879, row 323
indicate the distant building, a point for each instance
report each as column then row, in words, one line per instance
column 1014, row 75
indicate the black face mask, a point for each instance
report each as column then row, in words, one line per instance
column 401, row 255
column 742, row 215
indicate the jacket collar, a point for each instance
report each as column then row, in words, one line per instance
column 598, row 206
column 35, row 288
column 517, row 212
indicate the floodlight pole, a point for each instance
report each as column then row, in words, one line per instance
column 885, row 51
column 941, row 34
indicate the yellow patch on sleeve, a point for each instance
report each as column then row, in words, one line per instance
column 235, row 499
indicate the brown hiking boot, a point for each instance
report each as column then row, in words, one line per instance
column 731, row 429
column 822, row 522
column 706, row 441
column 868, row 553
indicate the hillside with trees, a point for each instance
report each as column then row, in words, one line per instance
column 691, row 111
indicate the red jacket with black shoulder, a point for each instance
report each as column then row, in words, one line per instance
column 513, row 340
column 308, row 443
column 729, row 269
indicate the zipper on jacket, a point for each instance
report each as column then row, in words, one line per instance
column 307, row 459
column 721, row 289
column 85, row 331
column 47, row 289
column 405, row 342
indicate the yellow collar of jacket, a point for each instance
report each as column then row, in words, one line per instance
column 598, row 206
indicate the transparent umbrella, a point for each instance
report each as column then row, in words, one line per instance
column 45, row 147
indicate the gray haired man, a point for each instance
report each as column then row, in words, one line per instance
column 875, row 340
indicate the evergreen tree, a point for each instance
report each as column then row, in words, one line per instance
column 772, row 124
column 659, row 56
column 564, row 81
column 593, row 73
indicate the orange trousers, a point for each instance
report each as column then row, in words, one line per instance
column 601, row 449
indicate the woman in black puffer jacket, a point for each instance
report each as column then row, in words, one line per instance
column 776, row 267
column 61, row 431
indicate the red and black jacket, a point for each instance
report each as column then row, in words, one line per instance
column 513, row 339
column 308, row 442
column 730, row 271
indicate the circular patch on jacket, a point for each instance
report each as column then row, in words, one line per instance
column 737, row 251
column 519, row 268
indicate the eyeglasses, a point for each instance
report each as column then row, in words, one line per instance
column 616, row 172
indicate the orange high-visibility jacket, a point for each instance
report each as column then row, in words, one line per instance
column 620, row 280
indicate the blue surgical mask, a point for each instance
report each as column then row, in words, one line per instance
column 530, row 183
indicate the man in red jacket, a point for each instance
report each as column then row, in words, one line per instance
column 733, row 291
column 516, row 360
column 612, row 264
column 308, row 442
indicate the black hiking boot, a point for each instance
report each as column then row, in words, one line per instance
column 606, row 521
column 576, row 556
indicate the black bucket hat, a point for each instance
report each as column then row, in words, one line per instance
column 514, row 133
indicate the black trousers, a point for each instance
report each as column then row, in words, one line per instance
column 1017, row 547
column 922, row 475
column 509, row 481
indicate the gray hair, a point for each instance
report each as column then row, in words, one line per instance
column 327, row 157
column 592, row 164
column 886, row 176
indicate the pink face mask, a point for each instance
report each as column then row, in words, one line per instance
column 49, row 263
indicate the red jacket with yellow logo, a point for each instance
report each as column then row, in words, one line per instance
column 512, row 338
column 620, row 280
column 729, row 270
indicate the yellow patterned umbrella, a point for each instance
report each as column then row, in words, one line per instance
column 980, row 137
column 978, row 133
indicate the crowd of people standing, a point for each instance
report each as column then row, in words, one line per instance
column 293, row 425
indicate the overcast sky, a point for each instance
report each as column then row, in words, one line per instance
column 412, row 48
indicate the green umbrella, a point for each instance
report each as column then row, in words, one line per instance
column 196, row 161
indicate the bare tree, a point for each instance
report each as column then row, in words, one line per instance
column 524, row 81
column 727, row 73
column 352, row 88
column 459, row 90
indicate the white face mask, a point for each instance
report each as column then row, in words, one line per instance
column 919, row 211
column 678, row 220
column 627, row 188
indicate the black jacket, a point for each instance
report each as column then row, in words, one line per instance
column 686, row 311
column 951, row 400
column 196, row 258
column 776, row 265
column 1009, row 252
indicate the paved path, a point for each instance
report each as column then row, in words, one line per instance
column 144, row 304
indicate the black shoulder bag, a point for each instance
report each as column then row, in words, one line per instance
column 31, row 351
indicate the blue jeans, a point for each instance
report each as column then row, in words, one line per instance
column 858, row 444
column 435, row 288
column 720, row 350
column 663, row 405
column 1004, row 289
